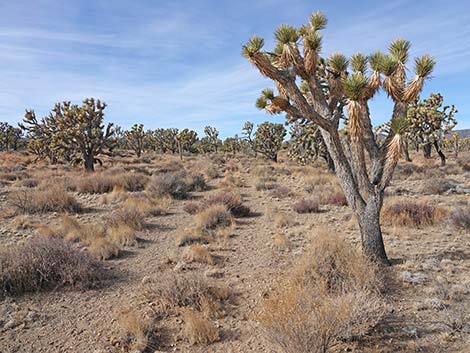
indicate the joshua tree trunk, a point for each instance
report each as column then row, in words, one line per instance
column 440, row 153
column 405, row 150
column 180, row 151
column 89, row 162
column 427, row 150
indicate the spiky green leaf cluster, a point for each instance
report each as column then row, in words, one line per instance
column 375, row 61
column 253, row 46
column 318, row 21
column 313, row 40
column 286, row 34
column 355, row 85
column 337, row 62
column 388, row 65
column 359, row 63
column 400, row 126
column 424, row 65
column 399, row 50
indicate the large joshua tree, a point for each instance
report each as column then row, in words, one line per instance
column 326, row 89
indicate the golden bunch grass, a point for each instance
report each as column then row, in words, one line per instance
column 197, row 253
column 198, row 328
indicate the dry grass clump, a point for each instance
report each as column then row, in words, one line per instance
column 192, row 207
column 170, row 294
column 332, row 295
column 102, row 248
column 173, row 184
column 100, row 183
column 23, row 222
column 131, row 213
column 122, row 235
column 231, row 201
column 53, row 199
column 149, row 206
column 232, row 180
column 28, row 183
column 283, row 220
column 306, row 206
column 41, row 263
column 212, row 217
column 281, row 241
column 460, row 219
column 188, row 237
column 435, row 185
column 198, row 328
column 411, row 213
column 318, row 182
column 196, row 182
column 136, row 331
column 335, row 198
column 281, row 191
column 198, row 253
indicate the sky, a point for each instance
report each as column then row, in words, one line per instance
column 179, row 63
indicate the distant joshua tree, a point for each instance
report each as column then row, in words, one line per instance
column 135, row 139
column 212, row 135
column 316, row 89
column 268, row 139
column 10, row 137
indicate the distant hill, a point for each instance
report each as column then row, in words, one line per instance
column 464, row 133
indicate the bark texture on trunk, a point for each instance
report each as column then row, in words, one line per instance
column 371, row 233
column 440, row 153
column 427, row 150
column 89, row 163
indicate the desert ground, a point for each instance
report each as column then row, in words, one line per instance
column 147, row 251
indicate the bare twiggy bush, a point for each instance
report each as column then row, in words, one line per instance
column 197, row 253
column 460, row 219
column 412, row 213
column 213, row 217
column 332, row 295
column 306, row 206
column 54, row 199
column 42, row 263
column 196, row 182
column 173, row 184
column 335, row 198
column 199, row 329
column 172, row 293
column 231, row 200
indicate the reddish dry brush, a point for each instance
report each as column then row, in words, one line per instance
column 460, row 219
column 306, row 206
column 412, row 213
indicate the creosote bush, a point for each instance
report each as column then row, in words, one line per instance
column 412, row 213
column 42, row 263
column 332, row 294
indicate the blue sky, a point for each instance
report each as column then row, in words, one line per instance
column 179, row 63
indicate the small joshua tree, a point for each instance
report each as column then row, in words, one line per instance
column 232, row 144
column 247, row 132
column 135, row 139
column 306, row 144
column 185, row 140
column 212, row 135
column 328, row 88
column 430, row 123
column 9, row 137
column 268, row 139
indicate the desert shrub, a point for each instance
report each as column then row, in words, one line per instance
column 54, row 199
column 9, row 176
column 41, row 263
column 408, row 169
column 231, row 201
column 192, row 207
column 465, row 166
column 213, row 217
column 306, row 206
column 128, row 214
column 283, row 220
column 281, row 191
column 102, row 248
column 460, row 219
column 196, row 182
column 149, row 206
column 335, row 198
column 199, row 329
column 188, row 237
column 333, row 294
column 315, row 182
column 173, row 184
column 262, row 185
column 28, row 183
column 22, row 222
column 435, row 185
column 198, row 253
column 100, row 183
column 172, row 293
column 135, row 331
column 122, row 235
column 412, row 213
